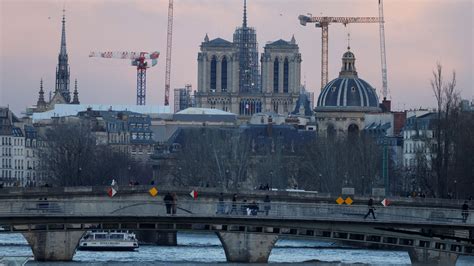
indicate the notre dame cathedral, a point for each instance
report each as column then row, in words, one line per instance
column 229, row 78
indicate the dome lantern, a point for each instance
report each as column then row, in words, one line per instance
column 348, row 64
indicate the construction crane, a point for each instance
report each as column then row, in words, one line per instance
column 323, row 23
column 383, row 57
column 169, row 45
column 141, row 61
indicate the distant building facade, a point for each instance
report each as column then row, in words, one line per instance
column 418, row 138
column 19, row 144
column 183, row 98
column 124, row 131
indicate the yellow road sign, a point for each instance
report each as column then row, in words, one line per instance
column 153, row 191
column 340, row 201
column 348, row 201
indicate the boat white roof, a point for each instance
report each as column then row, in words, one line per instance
column 62, row 110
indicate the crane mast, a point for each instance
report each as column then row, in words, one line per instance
column 323, row 23
column 383, row 57
column 169, row 45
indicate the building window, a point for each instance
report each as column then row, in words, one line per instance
column 276, row 73
column 249, row 107
column 224, row 75
column 286, row 75
column 213, row 74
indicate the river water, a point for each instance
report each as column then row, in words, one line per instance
column 206, row 249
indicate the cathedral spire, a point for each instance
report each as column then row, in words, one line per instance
column 62, row 70
column 244, row 24
column 63, row 35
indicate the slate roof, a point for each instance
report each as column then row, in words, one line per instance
column 218, row 42
column 348, row 92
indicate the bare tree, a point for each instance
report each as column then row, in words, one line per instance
column 212, row 157
column 446, row 97
column 330, row 163
column 71, row 157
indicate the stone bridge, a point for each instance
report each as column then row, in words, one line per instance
column 53, row 221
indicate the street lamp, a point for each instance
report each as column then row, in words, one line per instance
column 271, row 179
column 363, row 185
column 455, row 189
column 79, row 174
column 320, row 182
column 226, row 177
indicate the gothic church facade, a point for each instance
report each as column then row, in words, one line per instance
column 228, row 76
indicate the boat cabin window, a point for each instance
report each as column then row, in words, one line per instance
column 100, row 236
column 116, row 236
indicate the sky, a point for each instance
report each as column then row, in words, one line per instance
column 418, row 34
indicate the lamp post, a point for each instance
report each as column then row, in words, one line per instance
column 226, row 181
column 455, row 189
column 320, row 182
column 271, row 179
column 363, row 185
column 79, row 170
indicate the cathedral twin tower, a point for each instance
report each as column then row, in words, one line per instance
column 229, row 78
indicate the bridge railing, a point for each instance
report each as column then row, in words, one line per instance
column 319, row 211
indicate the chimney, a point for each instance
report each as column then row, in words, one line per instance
column 386, row 105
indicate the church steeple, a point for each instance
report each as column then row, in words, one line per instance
column 75, row 99
column 63, row 35
column 62, row 70
column 244, row 23
column 41, row 103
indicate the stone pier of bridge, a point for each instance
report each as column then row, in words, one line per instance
column 53, row 245
column 419, row 256
column 247, row 247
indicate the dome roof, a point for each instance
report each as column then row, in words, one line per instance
column 348, row 92
column 348, row 54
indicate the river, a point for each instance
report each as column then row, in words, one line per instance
column 206, row 249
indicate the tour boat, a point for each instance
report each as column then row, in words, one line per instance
column 108, row 241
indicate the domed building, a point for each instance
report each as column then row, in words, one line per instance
column 344, row 101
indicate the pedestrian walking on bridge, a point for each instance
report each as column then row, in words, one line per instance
column 267, row 205
column 168, row 199
column 371, row 207
column 220, row 204
column 234, row 205
column 465, row 211
column 174, row 203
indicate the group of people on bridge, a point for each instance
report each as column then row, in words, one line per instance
column 243, row 208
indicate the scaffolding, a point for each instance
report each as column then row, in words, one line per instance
column 245, row 38
column 183, row 98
